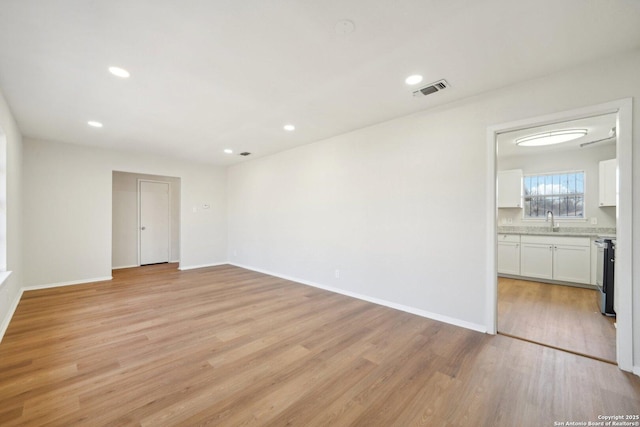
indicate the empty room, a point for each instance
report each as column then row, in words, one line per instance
column 345, row 213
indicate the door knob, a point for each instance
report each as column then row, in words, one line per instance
column 143, row 228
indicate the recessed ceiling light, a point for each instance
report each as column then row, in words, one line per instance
column 550, row 138
column 94, row 124
column 228, row 150
column 289, row 128
column 413, row 80
column 120, row 72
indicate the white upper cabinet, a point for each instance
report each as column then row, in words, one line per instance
column 607, row 181
column 510, row 188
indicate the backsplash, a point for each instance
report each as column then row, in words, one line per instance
column 530, row 229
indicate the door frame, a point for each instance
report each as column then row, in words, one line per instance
column 139, row 222
column 624, row 257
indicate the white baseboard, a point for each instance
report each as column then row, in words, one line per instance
column 73, row 282
column 636, row 370
column 193, row 267
column 120, row 267
column 385, row 303
column 9, row 315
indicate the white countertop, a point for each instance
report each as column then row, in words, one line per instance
column 606, row 233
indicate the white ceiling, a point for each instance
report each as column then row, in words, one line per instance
column 213, row 74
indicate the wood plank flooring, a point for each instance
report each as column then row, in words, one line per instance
column 565, row 317
column 226, row 346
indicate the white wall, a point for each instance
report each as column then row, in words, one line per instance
column 10, row 289
column 586, row 159
column 125, row 218
column 400, row 207
column 378, row 205
column 68, row 207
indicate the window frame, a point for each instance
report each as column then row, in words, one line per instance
column 3, row 202
column 557, row 217
column 4, row 272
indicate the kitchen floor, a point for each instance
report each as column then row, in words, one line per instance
column 559, row 316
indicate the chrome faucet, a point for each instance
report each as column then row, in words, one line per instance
column 554, row 227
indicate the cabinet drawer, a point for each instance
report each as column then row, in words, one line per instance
column 557, row 240
column 509, row 238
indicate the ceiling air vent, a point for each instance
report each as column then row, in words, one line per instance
column 431, row 88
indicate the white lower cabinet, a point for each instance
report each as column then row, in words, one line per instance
column 572, row 263
column 509, row 254
column 536, row 260
column 566, row 259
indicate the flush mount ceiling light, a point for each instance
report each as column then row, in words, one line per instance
column 228, row 150
column 289, row 128
column 94, row 124
column 550, row 138
column 413, row 80
column 120, row 72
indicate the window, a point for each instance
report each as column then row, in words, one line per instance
column 3, row 209
column 3, row 203
column 560, row 193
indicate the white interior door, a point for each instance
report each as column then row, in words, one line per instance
column 154, row 222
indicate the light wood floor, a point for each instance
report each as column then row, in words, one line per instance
column 560, row 316
column 225, row 346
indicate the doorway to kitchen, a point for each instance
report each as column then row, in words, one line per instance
column 531, row 303
column 146, row 219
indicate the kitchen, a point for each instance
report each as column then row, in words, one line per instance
column 556, row 212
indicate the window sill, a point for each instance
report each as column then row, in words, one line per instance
column 575, row 220
column 4, row 275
